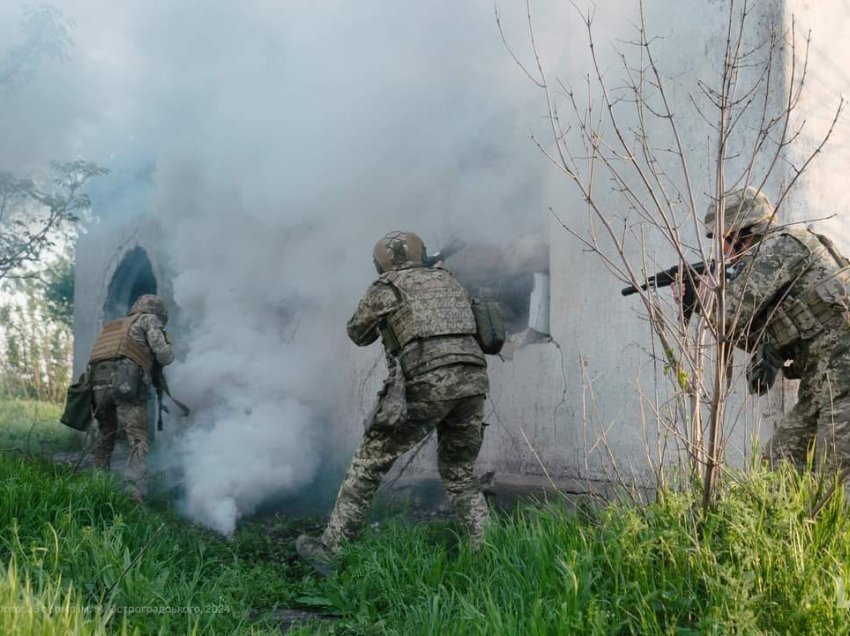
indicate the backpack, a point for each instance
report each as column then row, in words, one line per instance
column 78, row 404
column 490, row 332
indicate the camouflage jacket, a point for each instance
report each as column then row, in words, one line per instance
column 421, row 355
column 149, row 330
column 790, row 289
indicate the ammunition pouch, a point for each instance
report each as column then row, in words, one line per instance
column 388, row 337
column 129, row 383
column 763, row 368
column 490, row 332
column 826, row 306
column 391, row 408
column 79, row 404
column 103, row 373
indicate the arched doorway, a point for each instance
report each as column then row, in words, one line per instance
column 133, row 278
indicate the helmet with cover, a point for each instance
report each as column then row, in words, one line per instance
column 746, row 209
column 398, row 249
column 150, row 304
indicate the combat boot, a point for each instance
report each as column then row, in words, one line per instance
column 313, row 552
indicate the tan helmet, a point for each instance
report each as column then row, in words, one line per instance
column 398, row 248
column 150, row 304
column 744, row 209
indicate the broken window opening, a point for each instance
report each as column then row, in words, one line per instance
column 516, row 277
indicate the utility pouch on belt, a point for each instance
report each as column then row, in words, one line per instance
column 764, row 365
column 78, row 404
column 391, row 408
column 490, row 329
column 129, row 383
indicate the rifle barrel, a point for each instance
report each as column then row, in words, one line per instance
column 664, row 278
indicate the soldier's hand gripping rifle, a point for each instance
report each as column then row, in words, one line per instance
column 453, row 247
column 161, row 386
column 665, row 278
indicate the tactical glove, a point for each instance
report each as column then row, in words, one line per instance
column 763, row 368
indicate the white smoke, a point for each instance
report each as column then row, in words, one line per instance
column 278, row 141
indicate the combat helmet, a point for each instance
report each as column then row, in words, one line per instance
column 744, row 209
column 150, row 304
column 396, row 249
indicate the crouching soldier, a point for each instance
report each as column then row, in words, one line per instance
column 437, row 379
column 787, row 299
column 120, row 367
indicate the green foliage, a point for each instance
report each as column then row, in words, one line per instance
column 34, row 428
column 57, row 285
column 32, row 217
column 36, row 213
column 84, row 545
column 46, row 611
column 760, row 563
column 37, row 343
column 773, row 556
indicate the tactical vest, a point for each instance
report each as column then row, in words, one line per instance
column 434, row 325
column 115, row 342
column 816, row 301
column 433, row 304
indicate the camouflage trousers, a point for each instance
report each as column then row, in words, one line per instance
column 132, row 419
column 822, row 411
column 459, row 424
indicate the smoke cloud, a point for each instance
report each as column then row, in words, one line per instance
column 275, row 142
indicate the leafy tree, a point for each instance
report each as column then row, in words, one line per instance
column 36, row 215
column 31, row 218
column 57, row 285
column 37, row 340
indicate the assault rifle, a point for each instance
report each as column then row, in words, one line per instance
column 667, row 277
column 452, row 248
column 161, row 386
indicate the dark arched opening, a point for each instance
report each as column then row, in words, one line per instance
column 133, row 278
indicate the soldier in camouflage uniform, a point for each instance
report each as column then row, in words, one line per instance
column 438, row 379
column 788, row 287
column 120, row 368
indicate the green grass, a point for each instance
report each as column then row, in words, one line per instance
column 33, row 427
column 78, row 541
column 77, row 557
column 758, row 564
